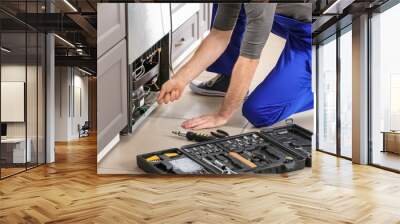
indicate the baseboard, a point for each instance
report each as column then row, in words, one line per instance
column 108, row 148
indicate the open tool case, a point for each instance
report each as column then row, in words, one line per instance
column 272, row 150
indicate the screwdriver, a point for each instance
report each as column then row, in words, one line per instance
column 193, row 136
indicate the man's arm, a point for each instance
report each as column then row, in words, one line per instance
column 214, row 44
column 209, row 50
column 260, row 17
column 242, row 75
column 259, row 24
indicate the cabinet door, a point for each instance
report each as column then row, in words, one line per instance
column 184, row 36
column 204, row 18
column 112, row 113
column 110, row 26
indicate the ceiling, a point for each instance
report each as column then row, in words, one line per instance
column 74, row 22
column 332, row 15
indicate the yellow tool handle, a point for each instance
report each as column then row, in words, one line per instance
column 153, row 158
column 171, row 154
column 242, row 160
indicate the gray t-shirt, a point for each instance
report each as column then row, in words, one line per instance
column 260, row 17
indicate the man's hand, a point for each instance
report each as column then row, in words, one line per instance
column 242, row 75
column 171, row 91
column 208, row 51
column 205, row 121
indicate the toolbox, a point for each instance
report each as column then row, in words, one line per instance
column 271, row 150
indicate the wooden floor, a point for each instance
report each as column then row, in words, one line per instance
column 387, row 159
column 5, row 172
column 69, row 191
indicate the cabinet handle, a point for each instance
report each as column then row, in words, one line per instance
column 181, row 41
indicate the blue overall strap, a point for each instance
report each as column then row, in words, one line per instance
column 224, row 64
column 287, row 88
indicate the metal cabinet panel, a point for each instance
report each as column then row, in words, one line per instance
column 110, row 26
column 184, row 36
column 147, row 24
column 112, row 112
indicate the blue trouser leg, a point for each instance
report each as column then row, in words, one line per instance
column 287, row 89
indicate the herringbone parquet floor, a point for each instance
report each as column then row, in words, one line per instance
column 69, row 191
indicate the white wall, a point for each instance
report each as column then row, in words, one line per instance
column 34, row 125
column 81, row 83
column 70, row 81
column 62, row 81
column 12, row 73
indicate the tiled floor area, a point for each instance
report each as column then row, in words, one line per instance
column 155, row 133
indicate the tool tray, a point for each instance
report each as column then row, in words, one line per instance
column 272, row 150
column 293, row 137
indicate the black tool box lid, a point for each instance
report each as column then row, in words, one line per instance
column 290, row 140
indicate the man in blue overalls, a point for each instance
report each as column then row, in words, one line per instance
column 232, row 50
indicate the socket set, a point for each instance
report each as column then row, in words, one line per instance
column 293, row 137
column 272, row 150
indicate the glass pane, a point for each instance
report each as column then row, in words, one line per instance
column 13, row 89
column 23, row 88
column 386, row 89
column 327, row 96
column 346, row 94
column 31, row 98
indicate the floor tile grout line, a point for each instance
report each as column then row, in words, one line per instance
column 166, row 116
column 245, row 127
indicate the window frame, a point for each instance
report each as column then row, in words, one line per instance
column 44, row 41
column 378, row 10
column 334, row 37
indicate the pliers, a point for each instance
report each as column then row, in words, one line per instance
column 219, row 133
column 198, row 137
